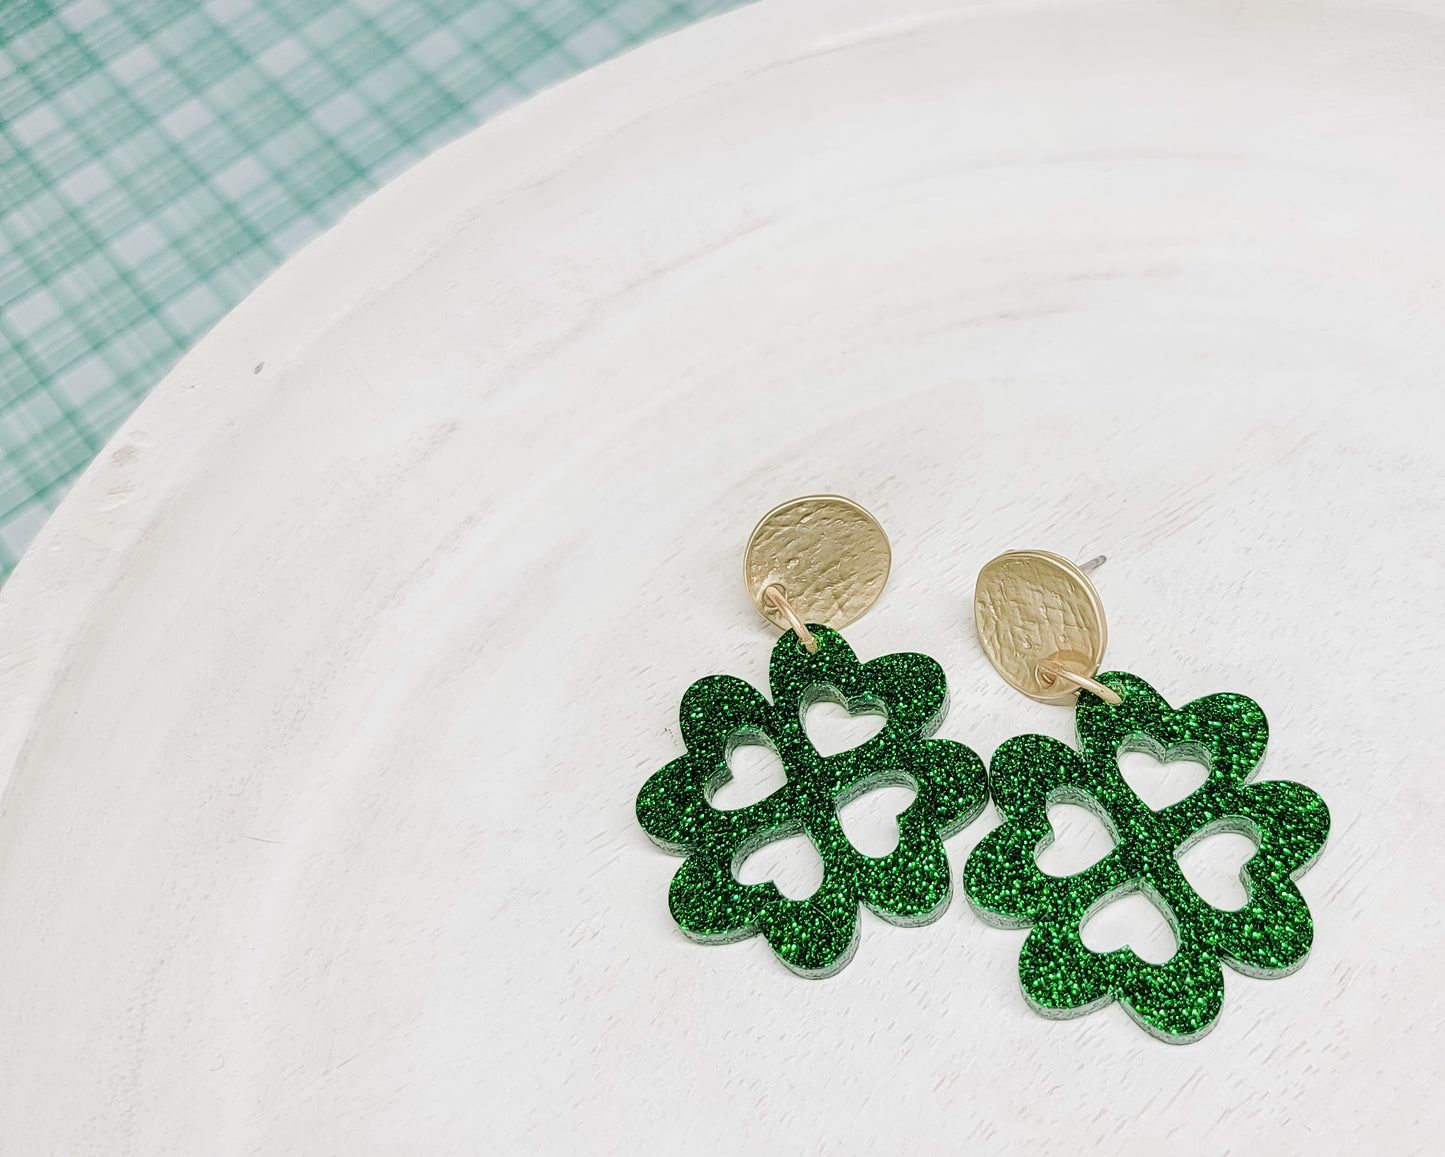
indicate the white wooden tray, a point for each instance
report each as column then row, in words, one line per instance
column 327, row 693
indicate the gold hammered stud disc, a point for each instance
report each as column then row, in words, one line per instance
column 828, row 554
column 1030, row 606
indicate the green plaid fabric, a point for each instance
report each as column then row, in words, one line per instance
column 159, row 157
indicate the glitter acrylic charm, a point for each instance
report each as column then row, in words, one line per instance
column 1179, row 1000
column 911, row 885
column 820, row 557
column 1041, row 624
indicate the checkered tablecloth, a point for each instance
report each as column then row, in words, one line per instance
column 159, row 157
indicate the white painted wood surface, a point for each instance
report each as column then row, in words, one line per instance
column 328, row 691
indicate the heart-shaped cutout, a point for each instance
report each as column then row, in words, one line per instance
column 1132, row 917
column 791, row 862
column 1161, row 783
column 1213, row 865
column 1080, row 839
column 832, row 728
column 755, row 773
column 871, row 821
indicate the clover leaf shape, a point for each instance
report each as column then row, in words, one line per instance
column 1177, row 1001
column 911, row 885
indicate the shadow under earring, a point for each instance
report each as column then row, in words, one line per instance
column 1041, row 624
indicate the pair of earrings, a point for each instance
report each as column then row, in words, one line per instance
column 824, row 560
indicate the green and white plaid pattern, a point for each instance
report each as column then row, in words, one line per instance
column 159, row 157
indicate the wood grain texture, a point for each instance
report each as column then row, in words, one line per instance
column 328, row 691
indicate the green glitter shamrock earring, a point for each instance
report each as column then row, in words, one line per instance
column 1041, row 624
column 823, row 558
